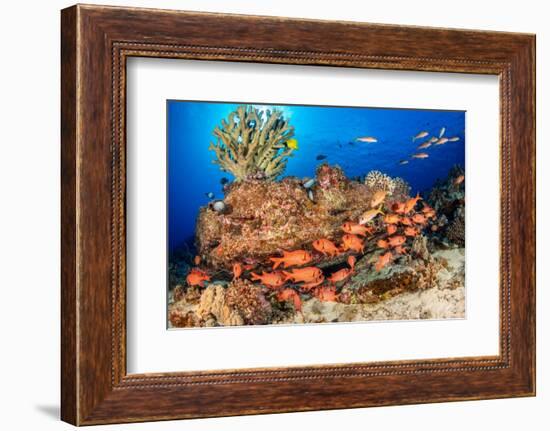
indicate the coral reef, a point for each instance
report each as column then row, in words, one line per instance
column 251, row 144
column 213, row 310
column 248, row 301
column 264, row 217
column 448, row 198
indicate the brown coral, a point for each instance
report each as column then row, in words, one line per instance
column 456, row 231
column 249, row 302
column 267, row 217
column 252, row 143
column 213, row 309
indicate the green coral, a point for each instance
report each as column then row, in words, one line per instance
column 252, row 143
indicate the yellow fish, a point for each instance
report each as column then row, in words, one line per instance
column 370, row 215
column 292, row 144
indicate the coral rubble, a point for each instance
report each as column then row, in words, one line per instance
column 252, row 143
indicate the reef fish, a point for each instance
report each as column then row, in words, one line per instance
column 340, row 275
column 368, row 139
column 209, row 195
column 351, row 261
column 442, row 141
column 382, row 243
column 383, row 260
column 396, row 240
column 391, row 218
column 326, row 294
column 434, row 139
column 224, row 181
column 403, row 162
column 442, row 132
column 391, row 229
column 426, row 144
column 378, row 198
column 411, row 203
column 419, row 218
column 290, row 294
column 458, row 180
column 369, row 215
column 356, row 228
column 237, row 270
column 420, row 135
column 326, row 246
column 308, row 183
column 307, row 274
column 292, row 144
column 352, row 242
column 291, row 258
column 454, row 139
column 197, row 260
column 197, row 277
column 269, row 279
column 321, row 157
column 406, row 221
column 420, row 156
column 410, row 231
column 400, row 249
column 398, row 207
column 314, row 283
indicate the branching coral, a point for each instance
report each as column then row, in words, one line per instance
column 377, row 180
column 252, row 144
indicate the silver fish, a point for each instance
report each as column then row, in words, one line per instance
column 310, row 195
column 309, row 183
column 442, row 132
column 368, row 139
column 454, row 139
column 422, row 134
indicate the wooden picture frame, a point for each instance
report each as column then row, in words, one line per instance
column 96, row 41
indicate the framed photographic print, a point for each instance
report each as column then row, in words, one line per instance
column 342, row 210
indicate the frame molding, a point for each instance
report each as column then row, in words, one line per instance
column 96, row 41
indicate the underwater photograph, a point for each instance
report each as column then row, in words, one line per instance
column 297, row 214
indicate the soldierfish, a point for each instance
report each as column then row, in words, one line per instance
column 410, row 204
column 237, row 270
column 326, row 294
column 411, row 231
column 400, row 249
column 382, row 243
column 406, row 221
column 291, row 258
column 396, row 240
column 314, row 283
column 269, row 279
column 398, row 207
column 306, row 275
column 340, row 275
column 369, row 215
column 356, row 228
column 391, row 229
column 326, row 247
column 378, row 198
column 391, row 218
column 290, row 294
column 419, row 218
column 197, row 277
column 420, row 135
column 383, row 260
column 351, row 261
column 352, row 242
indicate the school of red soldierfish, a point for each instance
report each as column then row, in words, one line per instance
column 401, row 222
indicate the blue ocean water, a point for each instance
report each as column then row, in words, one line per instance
column 320, row 131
